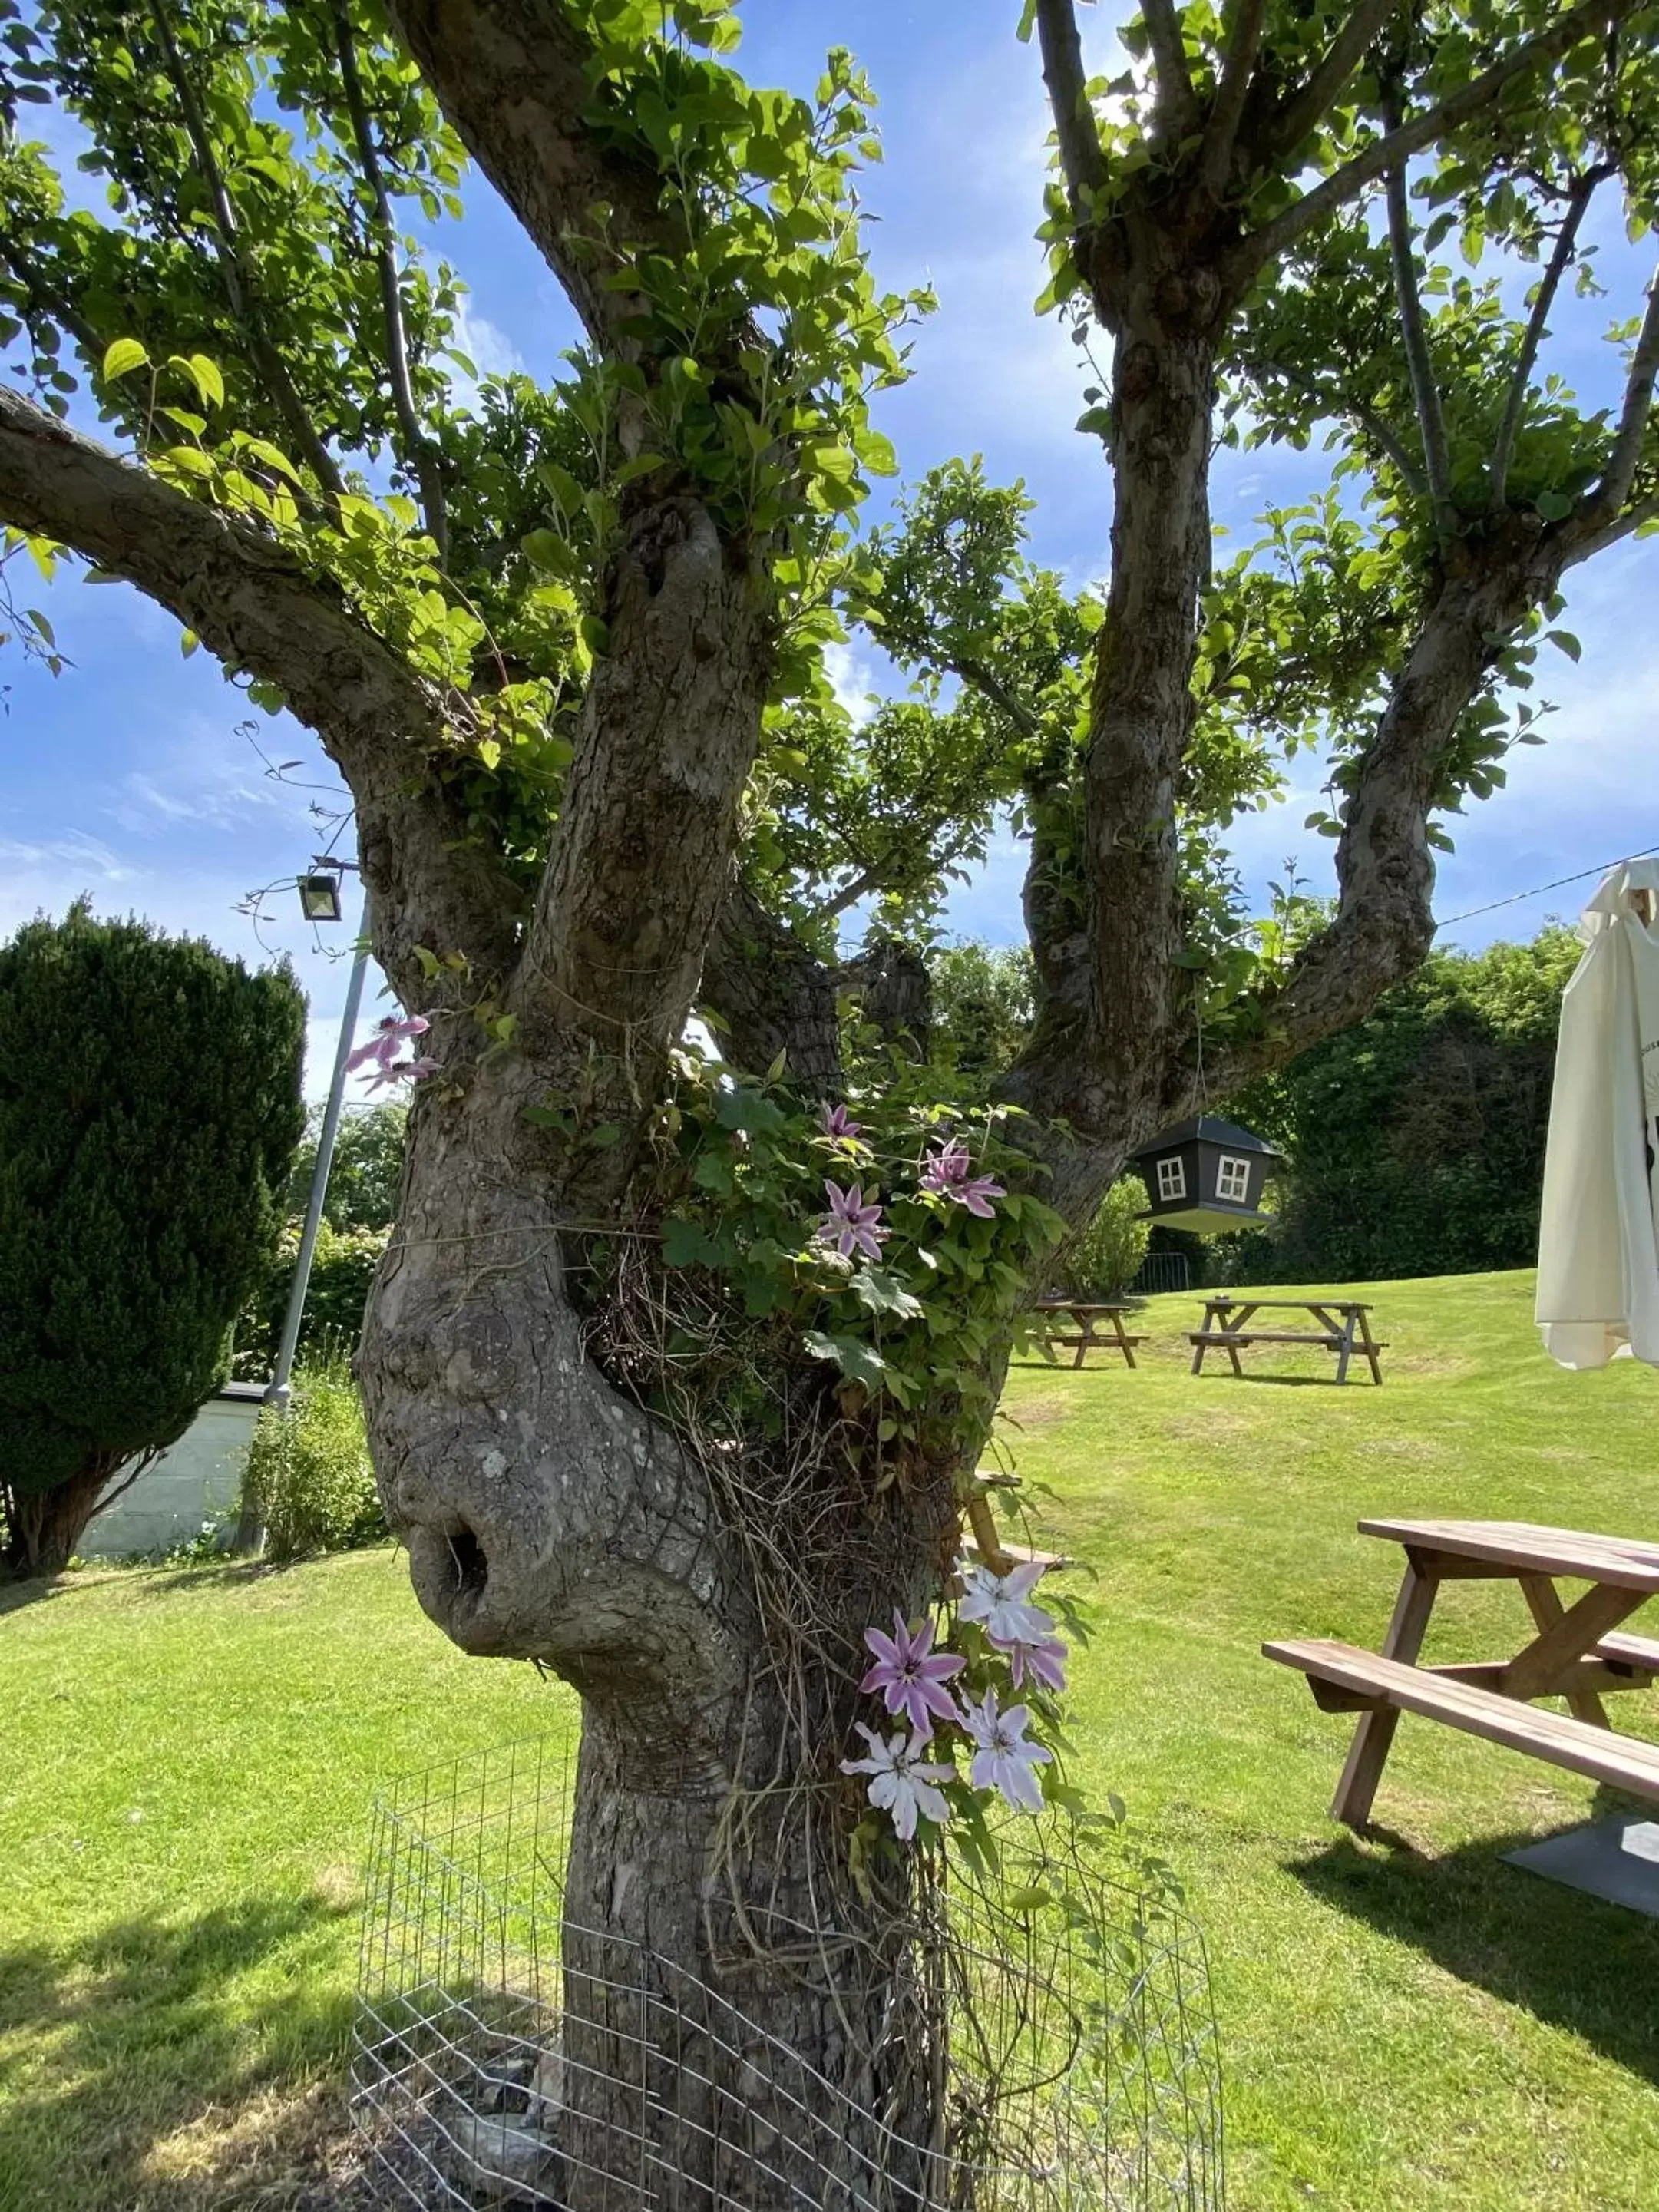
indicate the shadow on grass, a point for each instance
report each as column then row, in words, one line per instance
column 115, row 2043
column 1588, row 1966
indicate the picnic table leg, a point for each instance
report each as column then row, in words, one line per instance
column 1200, row 1347
column 1544, row 1603
column 1345, row 1350
column 1124, row 1344
column 1368, row 1346
column 1085, row 1332
column 1373, row 1738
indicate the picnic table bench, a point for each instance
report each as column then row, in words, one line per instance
column 1577, row 1652
column 1085, row 1317
column 1343, row 1327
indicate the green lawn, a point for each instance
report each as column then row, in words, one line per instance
column 188, row 1757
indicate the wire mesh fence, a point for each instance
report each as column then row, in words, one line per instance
column 504, row 2055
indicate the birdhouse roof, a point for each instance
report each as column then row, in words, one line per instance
column 1204, row 1129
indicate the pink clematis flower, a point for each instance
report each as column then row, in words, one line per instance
column 382, row 1050
column 902, row 1782
column 835, row 1121
column 388, row 1074
column 911, row 1675
column 1045, row 1662
column 1000, row 1604
column 945, row 1173
column 1005, row 1759
column 851, row 1225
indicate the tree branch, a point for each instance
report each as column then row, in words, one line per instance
column 769, row 991
column 44, row 299
column 1368, row 418
column 1300, row 115
column 418, row 452
column 1221, row 133
column 1624, row 526
column 1081, row 160
column 254, row 606
column 1177, row 102
column 511, row 76
column 1395, row 147
column 1419, row 360
column 1599, row 506
column 239, row 289
column 1560, row 260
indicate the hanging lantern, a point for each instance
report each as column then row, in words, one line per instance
column 1206, row 1173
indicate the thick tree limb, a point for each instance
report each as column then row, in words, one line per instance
column 1419, row 360
column 1394, row 147
column 254, row 607
column 512, row 76
column 1560, row 260
column 669, row 730
column 1301, row 114
column 769, row 991
column 418, row 453
column 1082, row 162
column 1221, row 133
column 1601, row 506
column 1177, row 103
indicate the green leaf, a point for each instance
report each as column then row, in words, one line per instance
column 124, row 356
column 204, row 375
column 1553, row 506
column 856, row 1360
column 1566, row 642
column 882, row 1292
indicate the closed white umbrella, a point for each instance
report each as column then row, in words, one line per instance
column 1598, row 1240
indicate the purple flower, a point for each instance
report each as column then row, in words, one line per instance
column 850, row 1225
column 1005, row 1759
column 835, row 1121
column 999, row 1603
column 945, row 1173
column 902, row 1782
column 382, row 1048
column 910, row 1676
column 1045, row 1662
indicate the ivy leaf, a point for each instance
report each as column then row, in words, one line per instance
column 882, row 1292
column 856, row 1360
column 685, row 1244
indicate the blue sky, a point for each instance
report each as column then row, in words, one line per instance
column 141, row 778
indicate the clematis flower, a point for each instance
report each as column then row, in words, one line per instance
column 911, row 1675
column 1005, row 1759
column 388, row 1075
column 835, row 1121
column 1045, row 1662
column 999, row 1603
column 850, row 1225
column 945, row 1173
column 383, row 1046
column 902, row 1782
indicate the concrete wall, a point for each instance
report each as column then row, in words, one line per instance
column 198, row 1477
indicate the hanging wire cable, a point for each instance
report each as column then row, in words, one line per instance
column 1516, row 897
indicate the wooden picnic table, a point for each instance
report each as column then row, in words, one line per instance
column 1085, row 1317
column 1576, row 1652
column 1343, row 1327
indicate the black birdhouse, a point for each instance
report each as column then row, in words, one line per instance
column 1204, row 1174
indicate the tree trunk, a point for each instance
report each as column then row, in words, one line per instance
column 735, row 2009
column 43, row 1530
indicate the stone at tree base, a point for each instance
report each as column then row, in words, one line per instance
column 502, row 2157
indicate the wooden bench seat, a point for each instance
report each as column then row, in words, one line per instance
column 1276, row 1336
column 1364, row 1680
column 1106, row 1343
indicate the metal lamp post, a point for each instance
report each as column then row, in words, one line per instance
column 318, row 905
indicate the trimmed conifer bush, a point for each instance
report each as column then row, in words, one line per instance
column 150, row 1109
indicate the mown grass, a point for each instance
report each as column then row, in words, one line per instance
column 1409, row 2025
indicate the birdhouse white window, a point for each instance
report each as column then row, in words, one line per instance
column 1172, row 1178
column 1233, row 1179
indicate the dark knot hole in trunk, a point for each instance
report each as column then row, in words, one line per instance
column 468, row 1564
